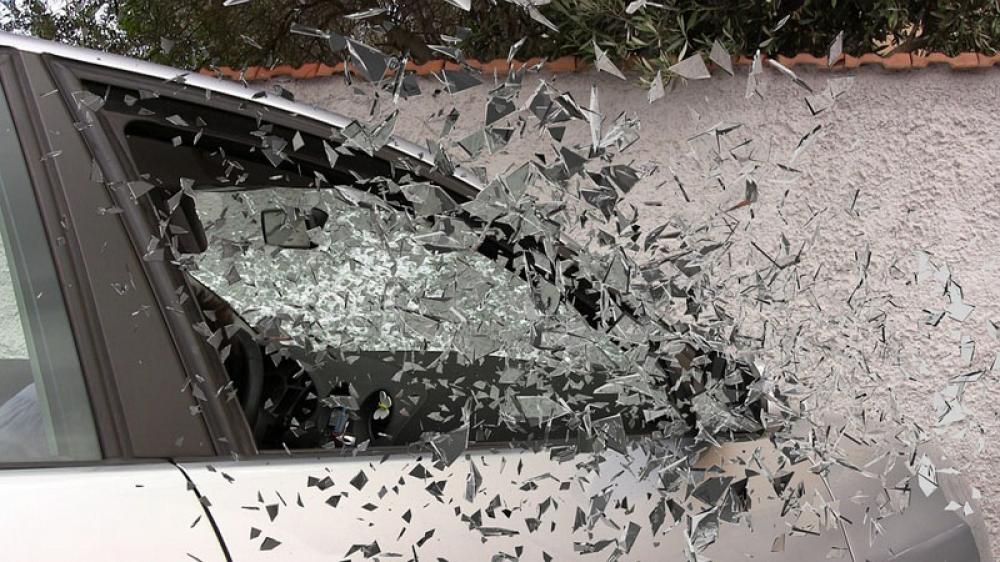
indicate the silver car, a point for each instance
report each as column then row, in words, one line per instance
column 167, row 237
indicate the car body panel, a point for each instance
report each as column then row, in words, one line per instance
column 285, row 499
column 920, row 533
column 440, row 515
column 126, row 512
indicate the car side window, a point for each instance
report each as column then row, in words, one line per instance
column 44, row 408
column 382, row 288
column 355, row 301
column 380, row 314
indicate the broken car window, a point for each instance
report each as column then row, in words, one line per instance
column 355, row 303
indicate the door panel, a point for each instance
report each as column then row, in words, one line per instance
column 137, row 512
column 299, row 509
column 45, row 411
column 540, row 505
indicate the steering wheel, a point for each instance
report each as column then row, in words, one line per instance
column 252, row 391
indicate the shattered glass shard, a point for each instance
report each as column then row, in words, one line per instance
column 458, row 80
column 370, row 138
column 449, row 122
column 449, row 447
column 721, row 57
column 360, row 480
column 428, row 199
column 805, row 142
column 624, row 132
column 372, row 63
column 474, row 144
column 537, row 16
column 365, row 14
column 498, row 108
column 691, row 68
column 836, row 49
column 754, row 77
column 604, row 64
column 336, row 42
column 595, row 119
column 789, row 73
column 514, row 49
column 269, row 544
column 539, row 410
column 473, row 483
column 300, row 29
column 656, row 88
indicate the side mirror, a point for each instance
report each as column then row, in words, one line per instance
column 291, row 229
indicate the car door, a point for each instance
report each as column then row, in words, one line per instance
column 91, row 401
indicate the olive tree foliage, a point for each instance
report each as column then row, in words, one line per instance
column 88, row 23
column 199, row 33
column 655, row 36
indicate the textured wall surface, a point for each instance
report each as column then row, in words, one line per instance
column 904, row 162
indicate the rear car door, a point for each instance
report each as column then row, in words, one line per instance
column 91, row 399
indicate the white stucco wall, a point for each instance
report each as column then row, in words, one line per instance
column 918, row 145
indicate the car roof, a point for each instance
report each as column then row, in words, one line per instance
column 231, row 88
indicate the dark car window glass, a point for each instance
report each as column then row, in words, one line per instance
column 44, row 410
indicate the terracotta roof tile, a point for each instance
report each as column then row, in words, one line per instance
column 961, row 61
column 898, row 61
column 987, row 60
column 426, row 68
column 803, row 59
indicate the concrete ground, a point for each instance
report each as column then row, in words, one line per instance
column 903, row 163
